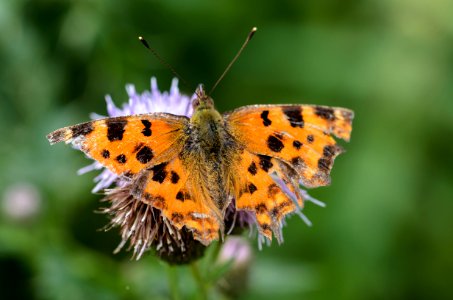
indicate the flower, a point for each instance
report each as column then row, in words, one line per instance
column 21, row 201
column 237, row 252
column 144, row 227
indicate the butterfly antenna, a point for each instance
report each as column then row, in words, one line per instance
column 249, row 37
column 162, row 61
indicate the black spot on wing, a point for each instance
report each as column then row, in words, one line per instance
column 297, row 144
column 159, row 172
column 177, row 217
column 115, row 128
column 155, row 200
column 324, row 112
column 272, row 190
column 105, row 153
column 261, row 208
column 252, row 168
column 265, row 162
column 265, row 227
column 294, row 116
column 147, row 130
column 297, row 161
column 265, row 117
column 274, row 144
column 182, row 195
column 310, row 138
column 324, row 164
column 121, row 159
column 252, row 188
column 158, row 201
column 144, row 155
column 174, row 177
column 82, row 129
column 330, row 151
column 277, row 211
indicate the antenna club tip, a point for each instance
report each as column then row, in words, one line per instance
column 252, row 33
column 143, row 41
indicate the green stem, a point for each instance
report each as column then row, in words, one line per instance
column 173, row 282
column 199, row 281
column 217, row 247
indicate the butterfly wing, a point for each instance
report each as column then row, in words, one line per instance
column 284, row 145
column 170, row 188
column 126, row 145
column 146, row 148
column 298, row 135
column 266, row 196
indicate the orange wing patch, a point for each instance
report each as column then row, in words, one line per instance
column 126, row 145
column 300, row 135
column 168, row 188
column 258, row 192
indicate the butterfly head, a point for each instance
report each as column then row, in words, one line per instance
column 202, row 101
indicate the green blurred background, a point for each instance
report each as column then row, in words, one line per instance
column 387, row 230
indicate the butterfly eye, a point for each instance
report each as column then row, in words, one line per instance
column 196, row 103
column 209, row 102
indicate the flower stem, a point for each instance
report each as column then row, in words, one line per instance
column 173, row 282
column 202, row 290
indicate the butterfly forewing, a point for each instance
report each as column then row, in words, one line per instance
column 126, row 145
column 299, row 135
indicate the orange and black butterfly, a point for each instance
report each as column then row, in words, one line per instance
column 191, row 168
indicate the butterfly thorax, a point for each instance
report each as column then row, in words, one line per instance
column 207, row 129
column 207, row 124
column 209, row 150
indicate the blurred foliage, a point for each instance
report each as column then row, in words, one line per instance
column 387, row 229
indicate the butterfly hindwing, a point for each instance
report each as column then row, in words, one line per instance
column 261, row 194
column 299, row 135
column 126, row 145
column 169, row 188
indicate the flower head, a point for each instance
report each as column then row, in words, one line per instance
column 144, row 227
column 237, row 252
column 21, row 201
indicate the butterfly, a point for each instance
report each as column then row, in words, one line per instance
column 191, row 169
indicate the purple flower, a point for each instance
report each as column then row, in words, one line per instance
column 21, row 201
column 237, row 252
